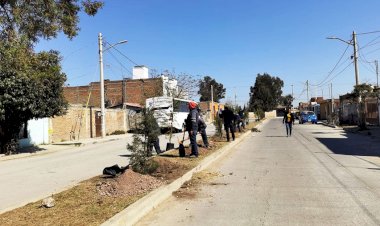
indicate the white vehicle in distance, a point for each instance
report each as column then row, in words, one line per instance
column 168, row 111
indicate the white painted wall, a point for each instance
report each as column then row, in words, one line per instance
column 38, row 133
column 140, row 72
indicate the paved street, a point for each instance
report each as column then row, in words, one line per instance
column 319, row 176
column 26, row 178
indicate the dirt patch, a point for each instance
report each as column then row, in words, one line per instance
column 191, row 188
column 128, row 184
column 170, row 169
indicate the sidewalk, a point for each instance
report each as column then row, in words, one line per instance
column 373, row 131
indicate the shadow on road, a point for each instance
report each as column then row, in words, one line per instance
column 352, row 144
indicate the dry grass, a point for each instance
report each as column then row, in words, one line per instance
column 80, row 205
column 84, row 205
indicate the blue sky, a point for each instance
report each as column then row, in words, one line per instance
column 231, row 41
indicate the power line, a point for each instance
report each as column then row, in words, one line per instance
column 366, row 33
column 120, row 63
column 113, row 47
column 373, row 51
column 338, row 73
column 334, row 68
column 370, row 43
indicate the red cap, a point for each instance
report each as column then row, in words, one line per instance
column 192, row 105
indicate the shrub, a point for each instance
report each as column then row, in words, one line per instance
column 218, row 126
column 117, row 132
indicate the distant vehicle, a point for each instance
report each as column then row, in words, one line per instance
column 308, row 116
column 168, row 111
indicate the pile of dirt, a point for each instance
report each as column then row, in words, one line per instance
column 127, row 184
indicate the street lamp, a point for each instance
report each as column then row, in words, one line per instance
column 102, row 107
column 353, row 43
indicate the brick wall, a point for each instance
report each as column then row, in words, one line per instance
column 137, row 91
column 115, row 92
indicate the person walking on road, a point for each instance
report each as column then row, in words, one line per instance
column 202, row 129
column 192, row 127
column 228, row 119
column 288, row 120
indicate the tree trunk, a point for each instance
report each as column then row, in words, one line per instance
column 8, row 137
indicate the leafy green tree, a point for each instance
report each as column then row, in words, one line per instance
column 286, row 100
column 362, row 92
column 265, row 94
column 205, row 89
column 31, row 83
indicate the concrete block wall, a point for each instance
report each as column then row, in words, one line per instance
column 271, row 114
column 116, row 119
column 79, row 123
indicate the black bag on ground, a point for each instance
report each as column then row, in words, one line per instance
column 114, row 170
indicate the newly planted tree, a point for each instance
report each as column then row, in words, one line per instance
column 147, row 132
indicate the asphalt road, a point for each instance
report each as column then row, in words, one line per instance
column 30, row 178
column 319, row 176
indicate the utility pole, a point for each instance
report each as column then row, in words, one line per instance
column 307, row 90
column 354, row 44
column 292, row 92
column 292, row 97
column 355, row 58
column 332, row 100
column 212, row 103
column 377, row 73
column 102, row 108
column 377, row 83
column 235, row 98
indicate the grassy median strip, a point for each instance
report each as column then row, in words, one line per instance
column 94, row 201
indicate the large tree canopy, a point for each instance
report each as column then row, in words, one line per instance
column 43, row 18
column 205, row 89
column 31, row 84
column 266, row 93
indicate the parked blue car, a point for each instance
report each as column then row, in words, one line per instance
column 308, row 116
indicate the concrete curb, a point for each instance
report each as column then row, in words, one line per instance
column 329, row 125
column 133, row 213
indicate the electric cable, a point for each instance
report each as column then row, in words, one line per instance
column 113, row 47
column 334, row 68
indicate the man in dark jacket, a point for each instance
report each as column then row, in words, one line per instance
column 289, row 121
column 192, row 128
column 228, row 118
